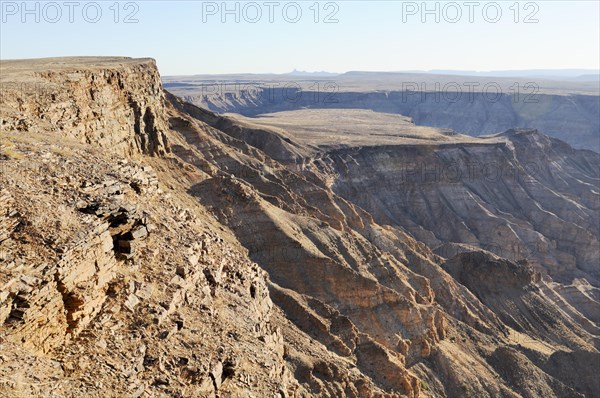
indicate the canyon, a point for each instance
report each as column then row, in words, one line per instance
column 151, row 247
column 466, row 104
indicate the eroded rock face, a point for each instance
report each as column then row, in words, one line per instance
column 507, row 361
column 115, row 104
column 219, row 268
column 500, row 197
column 503, row 286
column 571, row 118
column 576, row 369
column 124, row 287
column 367, row 272
column 494, row 295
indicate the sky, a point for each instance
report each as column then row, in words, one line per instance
column 197, row 37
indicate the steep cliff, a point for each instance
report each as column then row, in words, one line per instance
column 152, row 248
column 528, row 198
column 572, row 118
column 110, row 285
column 112, row 103
column 310, row 240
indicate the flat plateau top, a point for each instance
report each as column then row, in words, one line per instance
column 11, row 69
column 387, row 82
column 335, row 128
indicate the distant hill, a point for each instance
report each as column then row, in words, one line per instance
column 296, row 72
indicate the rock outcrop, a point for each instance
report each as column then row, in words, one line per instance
column 294, row 249
column 116, row 104
column 504, row 198
column 152, row 248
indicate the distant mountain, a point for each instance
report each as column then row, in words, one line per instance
column 296, row 72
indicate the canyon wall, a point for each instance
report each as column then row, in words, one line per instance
column 571, row 118
column 118, row 107
column 150, row 247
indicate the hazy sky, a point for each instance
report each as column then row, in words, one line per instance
column 188, row 37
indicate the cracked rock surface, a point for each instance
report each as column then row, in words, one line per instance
column 150, row 248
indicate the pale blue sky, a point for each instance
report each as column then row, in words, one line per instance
column 368, row 36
